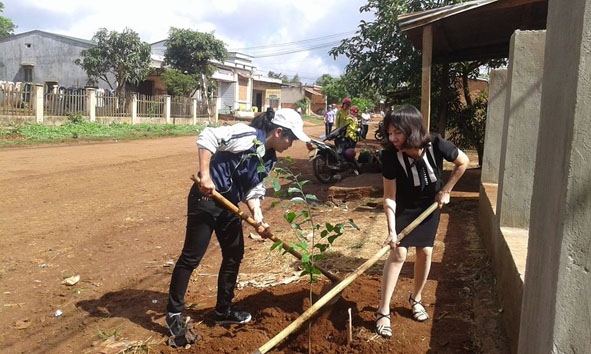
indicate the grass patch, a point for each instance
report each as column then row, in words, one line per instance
column 313, row 119
column 28, row 133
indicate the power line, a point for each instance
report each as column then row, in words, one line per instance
column 339, row 35
column 307, row 49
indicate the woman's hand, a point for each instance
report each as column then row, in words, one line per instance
column 391, row 240
column 442, row 198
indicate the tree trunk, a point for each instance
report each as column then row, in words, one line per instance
column 204, row 95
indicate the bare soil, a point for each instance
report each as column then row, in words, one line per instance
column 114, row 214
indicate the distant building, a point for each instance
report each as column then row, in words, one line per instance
column 44, row 58
column 293, row 92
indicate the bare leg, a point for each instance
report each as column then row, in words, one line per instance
column 390, row 274
column 421, row 270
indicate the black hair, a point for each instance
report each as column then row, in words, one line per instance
column 409, row 120
column 265, row 122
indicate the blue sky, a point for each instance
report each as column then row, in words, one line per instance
column 306, row 29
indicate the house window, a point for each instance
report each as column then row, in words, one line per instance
column 28, row 71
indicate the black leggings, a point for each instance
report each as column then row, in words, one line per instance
column 203, row 218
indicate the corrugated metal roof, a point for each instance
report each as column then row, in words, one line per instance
column 312, row 91
column 474, row 30
column 421, row 18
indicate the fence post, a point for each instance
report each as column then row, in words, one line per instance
column 134, row 109
column 167, row 109
column 39, row 103
column 194, row 110
column 215, row 112
column 91, row 103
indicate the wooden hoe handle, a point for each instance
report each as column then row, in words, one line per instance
column 264, row 232
column 340, row 286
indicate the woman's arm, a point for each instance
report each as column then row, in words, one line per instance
column 460, row 165
column 390, row 211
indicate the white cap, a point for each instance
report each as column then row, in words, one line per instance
column 290, row 119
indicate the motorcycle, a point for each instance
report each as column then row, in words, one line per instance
column 380, row 134
column 330, row 160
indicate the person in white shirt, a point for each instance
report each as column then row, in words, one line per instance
column 365, row 119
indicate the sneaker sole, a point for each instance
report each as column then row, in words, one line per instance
column 222, row 322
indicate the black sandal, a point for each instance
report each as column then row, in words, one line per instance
column 383, row 330
column 418, row 310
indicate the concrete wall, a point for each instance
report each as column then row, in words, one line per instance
column 510, row 152
column 520, row 128
column 497, row 94
column 52, row 55
column 556, row 314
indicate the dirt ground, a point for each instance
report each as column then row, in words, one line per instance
column 114, row 214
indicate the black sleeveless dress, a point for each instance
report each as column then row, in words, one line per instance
column 417, row 183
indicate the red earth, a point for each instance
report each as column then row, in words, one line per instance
column 114, row 214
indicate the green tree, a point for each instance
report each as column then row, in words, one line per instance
column 120, row 55
column 295, row 79
column 192, row 52
column 7, row 27
column 179, row 84
column 284, row 78
column 333, row 87
column 384, row 63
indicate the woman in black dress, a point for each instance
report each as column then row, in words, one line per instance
column 412, row 166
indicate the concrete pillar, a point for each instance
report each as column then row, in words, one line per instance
column 520, row 128
column 134, row 109
column 91, row 103
column 497, row 94
column 194, row 110
column 167, row 109
column 556, row 314
column 249, row 94
column 39, row 103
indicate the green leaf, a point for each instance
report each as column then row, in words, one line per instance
column 293, row 190
column 302, row 245
column 319, row 257
column 323, row 233
column 276, row 184
column 353, row 224
column 331, row 239
column 297, row 200
column 321, row 246
column 311, row 197
column 277, row 244
column 305, row 258
column 290, row 216
column 329, row 227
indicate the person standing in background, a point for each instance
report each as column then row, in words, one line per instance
column 365, row 118
column 343, row 113
column 329, row 116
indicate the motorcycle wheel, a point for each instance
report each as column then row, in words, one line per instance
column 321, row 171
column 378, row 135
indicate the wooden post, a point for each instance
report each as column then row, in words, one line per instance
column 426, row 75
